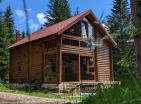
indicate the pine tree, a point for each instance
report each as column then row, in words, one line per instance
column 6, row 39
column 120, row 18
column 9, row 20
column 3, row 53
column 59, row 10
column 118, row 23
column 76, row 12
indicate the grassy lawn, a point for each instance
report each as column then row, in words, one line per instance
column 126, row 93
column 9, row 89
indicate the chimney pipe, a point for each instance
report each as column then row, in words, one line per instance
column 18, row 38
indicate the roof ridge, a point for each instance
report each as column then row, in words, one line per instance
column 57, row 28
column 62, row 21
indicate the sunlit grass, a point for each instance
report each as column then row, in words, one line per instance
column 9, row 89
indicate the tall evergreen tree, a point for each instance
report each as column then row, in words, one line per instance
column 59, row 10
column 9, row 20
column 119, row 20
column 76, row 12
column 3, row 53
column 118, row 23
column 6, row 39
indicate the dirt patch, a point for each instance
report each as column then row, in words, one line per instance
column 9, row 98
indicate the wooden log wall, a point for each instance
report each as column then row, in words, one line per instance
column 19, row 57
column 19, row 70
column 36, row 61
column 103, row 63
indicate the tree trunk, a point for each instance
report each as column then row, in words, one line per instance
column 137, row 42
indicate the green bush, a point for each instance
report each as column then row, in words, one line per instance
column 126, row 93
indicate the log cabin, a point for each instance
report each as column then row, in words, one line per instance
column 60, row 54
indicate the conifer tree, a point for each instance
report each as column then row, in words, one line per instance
column 6, row 39
column 76, row 12
column 118, row 23
column 3, row 43
column 59, row 10
column 9, row 20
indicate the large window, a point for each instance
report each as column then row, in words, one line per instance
column 87, row 29
column 70, row 67
column 70, row 42
column 87, row 68
column 75, row 30
column 50, row 67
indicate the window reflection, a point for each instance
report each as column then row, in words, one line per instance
column 87, row 29
column 50, row 67
column 87, row 68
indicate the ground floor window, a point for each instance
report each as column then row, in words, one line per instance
column 87, row 68
column 50, row 67
column 70, row 67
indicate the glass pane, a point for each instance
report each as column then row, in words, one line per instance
column 84, row 45
column 87, row 28
column 70, row 67
column 87, row 68
column 75, row 30
column 70, row 42
column 90, row 30
column 84, row 33
column 50, row 67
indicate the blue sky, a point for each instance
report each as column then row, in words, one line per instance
column 37, row 9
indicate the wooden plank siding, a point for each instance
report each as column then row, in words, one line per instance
column 19, row 56
column 36, row 61
column 77, row 50
column 103, row 63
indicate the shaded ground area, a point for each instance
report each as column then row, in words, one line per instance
column 10, row 98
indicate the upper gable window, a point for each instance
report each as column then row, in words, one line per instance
column 87, row 29
column 75, row 30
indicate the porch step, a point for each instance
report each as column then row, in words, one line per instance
column 69, row 87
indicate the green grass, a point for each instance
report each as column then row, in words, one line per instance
column 126, row 93
column 9, row 89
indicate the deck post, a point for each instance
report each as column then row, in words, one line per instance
column 79, row 73
column 60, row 60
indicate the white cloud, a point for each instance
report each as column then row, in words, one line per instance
column 20, row 14
column 41, row 18
column 33, row 26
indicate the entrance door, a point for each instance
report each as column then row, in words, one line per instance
column 70, row 67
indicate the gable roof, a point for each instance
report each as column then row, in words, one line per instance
column 57, row 28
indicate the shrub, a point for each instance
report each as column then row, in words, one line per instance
column 126, row 93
